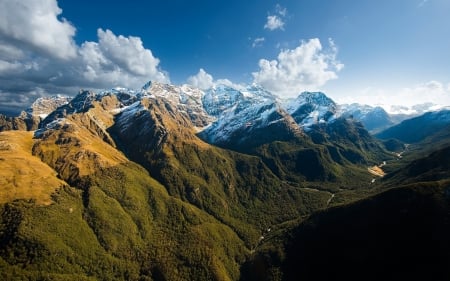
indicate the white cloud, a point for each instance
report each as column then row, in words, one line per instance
column 34, row 24
column 258, row 42
column 432, row 91
column 429, row 92
column 38, row 54
column 128, row 53
column 274, row 22
column 202, row 80
column 118, row 61
column 306, row 67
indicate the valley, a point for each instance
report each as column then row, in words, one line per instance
column 176, row 183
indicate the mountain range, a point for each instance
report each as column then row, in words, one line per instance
column 175, row 183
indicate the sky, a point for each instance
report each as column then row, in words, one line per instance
column 384, row 52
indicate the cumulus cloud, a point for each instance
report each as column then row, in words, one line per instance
column 34, row 24
column 38, row 55
column 276, row 21
column 307, row 67
column 202, row 80
column 118, row 60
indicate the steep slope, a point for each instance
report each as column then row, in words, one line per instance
column 418, row 128
column 400, row 234
column 374, row 119
column 253, row 121
column 22, row 122
column 232, row 187
column 379, row 238
column 23, row 176
column 339, row 153
column 148, row 199
column 184, row 98
column 115, row 223
column 433, row 167
column 345, row 138
column 246, row 118
column 29, row 120
column 311, row 108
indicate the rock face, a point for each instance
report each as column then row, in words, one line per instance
column 30, row 119
column 246, row 118
column 173, row 183
column 374, row 119
column 311, row 108
column 150, row 123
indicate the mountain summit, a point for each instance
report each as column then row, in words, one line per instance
column 175, row 183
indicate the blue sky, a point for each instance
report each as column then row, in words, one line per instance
column 376, row 52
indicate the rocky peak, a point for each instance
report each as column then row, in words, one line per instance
column 311, row 108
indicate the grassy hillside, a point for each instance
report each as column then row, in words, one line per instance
column 138, row 196
column 114, row 223
column 23, row 176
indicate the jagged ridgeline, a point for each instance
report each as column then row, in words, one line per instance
column 168, row 182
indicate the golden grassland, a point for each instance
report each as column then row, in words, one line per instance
column 22, row 175
column 376, row 171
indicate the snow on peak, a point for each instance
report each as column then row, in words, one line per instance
column 53, row 125
column 311, row 108
column 238, row 110
column 43, row 106
column 185, row 98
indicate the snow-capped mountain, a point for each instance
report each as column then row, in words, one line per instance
column 185, row 98
column 32, row 116
column 373, row 118
column 241, row 114
column 45, row 105
column 311, row 108
column 221, row 115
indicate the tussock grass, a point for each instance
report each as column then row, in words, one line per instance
column 22, row 175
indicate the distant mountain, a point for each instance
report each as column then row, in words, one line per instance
column 31, row 117
column 373, row 118
column 418, row 128
column 172, row 182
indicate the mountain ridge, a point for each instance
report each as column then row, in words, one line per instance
column 150, row 189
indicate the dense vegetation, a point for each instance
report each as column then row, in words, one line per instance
column 142, row 197
column 400, row 234
column 418, row 128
